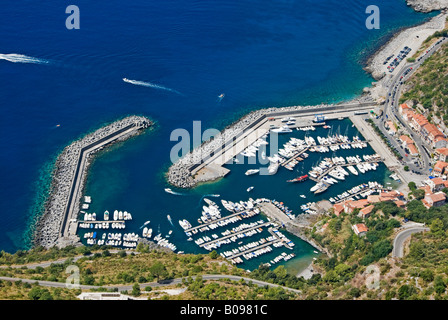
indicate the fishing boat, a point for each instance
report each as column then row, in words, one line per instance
column 299, row 179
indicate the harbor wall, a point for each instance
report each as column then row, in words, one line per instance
column 181, row 173
column 58, row 224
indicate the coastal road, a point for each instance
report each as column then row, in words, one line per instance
column 402, row 236
column 391, row 112
column 151, row 284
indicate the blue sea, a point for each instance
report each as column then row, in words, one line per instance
column 258, row 53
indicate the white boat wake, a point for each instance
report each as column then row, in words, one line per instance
column 150, row 85
column 168, row 190
column 20, row 58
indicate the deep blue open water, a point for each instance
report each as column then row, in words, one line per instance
column 259, row 53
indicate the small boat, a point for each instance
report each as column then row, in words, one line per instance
column 302, row 196
column 169, row 219
column 251, row 172
column 299, row 179
column 168, row 190
column 221, row 96
column 249, row 189
column 106, row 215
column 283, row 129
column 145, row 224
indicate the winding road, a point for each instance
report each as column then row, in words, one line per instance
column 402, row 236
column 391, row 111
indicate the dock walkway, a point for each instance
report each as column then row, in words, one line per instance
column 216, row 221
column 235, row 234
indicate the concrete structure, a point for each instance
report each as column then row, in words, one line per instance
column 202, row 164
column 58, row 224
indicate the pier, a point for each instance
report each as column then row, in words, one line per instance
column 203, row 163
column 58, row 225
column 233, row 234
column 206, row 224
column 323, row 174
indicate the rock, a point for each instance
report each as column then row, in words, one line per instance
column 427, row 5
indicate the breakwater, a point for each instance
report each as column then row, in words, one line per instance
column 58, row 224
column 182, row 173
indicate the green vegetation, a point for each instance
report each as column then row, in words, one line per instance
column 429, row 84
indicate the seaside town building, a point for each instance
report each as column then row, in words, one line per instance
column 434, row 199
column 366, row 206
column 360, row 229
column 430, row 133
column 439, row 168
column 441, row 154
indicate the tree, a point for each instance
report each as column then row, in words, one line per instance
column 437, row 227
column 406, row 291
column 412, row 186
column 427, row 275
column 214, row 254
column 135, row 290
column 406, row 168
column 419, row 194
column 158, row 270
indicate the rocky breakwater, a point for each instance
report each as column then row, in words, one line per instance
column 180, row 175
column 61, row 208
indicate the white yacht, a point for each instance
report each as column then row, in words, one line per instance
column 283, row 129
column 252, row 171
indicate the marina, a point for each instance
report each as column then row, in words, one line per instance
column 213, row 216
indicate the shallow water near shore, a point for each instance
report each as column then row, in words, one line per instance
column 259, row 53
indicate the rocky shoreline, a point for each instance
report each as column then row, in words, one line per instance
column 427, row 5
column 398, row 41
column 49, row 228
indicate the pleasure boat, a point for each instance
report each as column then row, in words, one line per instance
column 252, row 171
column 273, row 167
column 283, row 129
column 299, row 179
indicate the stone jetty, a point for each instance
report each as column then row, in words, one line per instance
column 58, row 224
column 182, row 173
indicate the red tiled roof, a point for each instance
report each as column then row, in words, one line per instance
column 361, row 227
column 367, row 210
column 437, row 181
column 406, row 139
column 436, row 197
column 440, row 165
column 412, row 148
column 443, row 151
